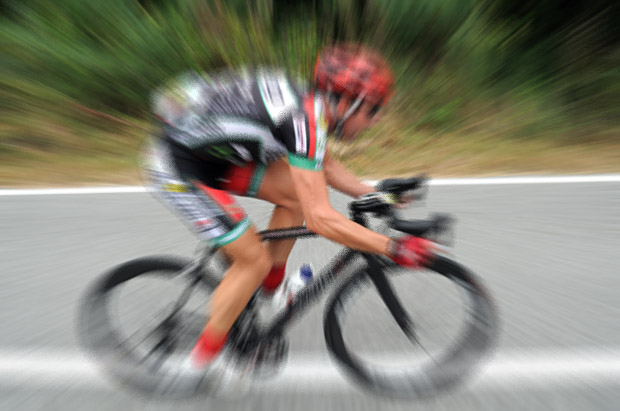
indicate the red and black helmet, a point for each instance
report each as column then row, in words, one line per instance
column 352, row 70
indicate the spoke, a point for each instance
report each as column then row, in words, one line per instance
column 159, row 360
column 148, row 334
column 184, row 298
column 185, row 295
column 184, row 326
column 170, row 331
column 172, row 334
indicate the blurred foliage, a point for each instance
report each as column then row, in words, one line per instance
column 74, row 68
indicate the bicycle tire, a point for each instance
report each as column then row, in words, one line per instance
column 101, row 340
column 475, row 342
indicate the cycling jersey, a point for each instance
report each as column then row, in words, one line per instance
column 243, row 116
column 220, row 133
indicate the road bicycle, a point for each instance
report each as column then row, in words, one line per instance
column 147, row 359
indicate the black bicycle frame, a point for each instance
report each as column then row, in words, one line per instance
column 310, row 294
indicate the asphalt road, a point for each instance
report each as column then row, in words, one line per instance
column 549, row 252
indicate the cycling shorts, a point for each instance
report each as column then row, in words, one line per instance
column 200, row 194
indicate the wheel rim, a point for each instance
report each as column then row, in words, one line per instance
column 450, row 367
column 103, row 335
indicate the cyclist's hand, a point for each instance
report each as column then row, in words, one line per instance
column 410, row 251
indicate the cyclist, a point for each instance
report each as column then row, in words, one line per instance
column 233, row 132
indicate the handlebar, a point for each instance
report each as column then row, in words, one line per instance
column 438, row 225
column 400, row 185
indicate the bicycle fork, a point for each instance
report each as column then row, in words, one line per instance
column 377, row 275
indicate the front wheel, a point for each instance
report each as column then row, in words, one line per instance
column 455, row 324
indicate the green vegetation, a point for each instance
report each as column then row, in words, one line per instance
column 485, row 86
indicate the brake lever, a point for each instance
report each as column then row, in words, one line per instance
column 443, row 229
column 401, row 185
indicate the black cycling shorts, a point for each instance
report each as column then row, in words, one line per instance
column 200, row 193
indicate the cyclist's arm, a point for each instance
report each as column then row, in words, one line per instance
column 322, row 219
column 343, row 180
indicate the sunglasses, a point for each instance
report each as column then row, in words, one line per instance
column 374, row 110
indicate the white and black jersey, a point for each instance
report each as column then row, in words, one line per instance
column 240, row 117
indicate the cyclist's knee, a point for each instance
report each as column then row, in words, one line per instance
column 290, row 202
column 252, row 258
column 258, row 267
column 259, row 260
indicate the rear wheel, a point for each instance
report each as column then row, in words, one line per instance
column 136, row 330
column 455, row 324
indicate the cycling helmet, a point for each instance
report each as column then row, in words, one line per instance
column 356, row 72
column 352, row 70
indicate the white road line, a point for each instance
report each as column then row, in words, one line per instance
column 317, row 373
column 76, row 190
column 595, row 178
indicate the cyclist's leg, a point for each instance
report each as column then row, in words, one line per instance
column 277, row 188
column 273, row 184
column 228, row 227
column 217, row 218
column 250, row 265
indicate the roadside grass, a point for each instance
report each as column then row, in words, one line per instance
column 480, row 155
column 497, row 145
column 44, row 153
column 479, row 91
column 57, row 170
column 111, row 157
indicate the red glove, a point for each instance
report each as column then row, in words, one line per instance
column 410, row 251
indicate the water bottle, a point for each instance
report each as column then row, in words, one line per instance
column 292, row 286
